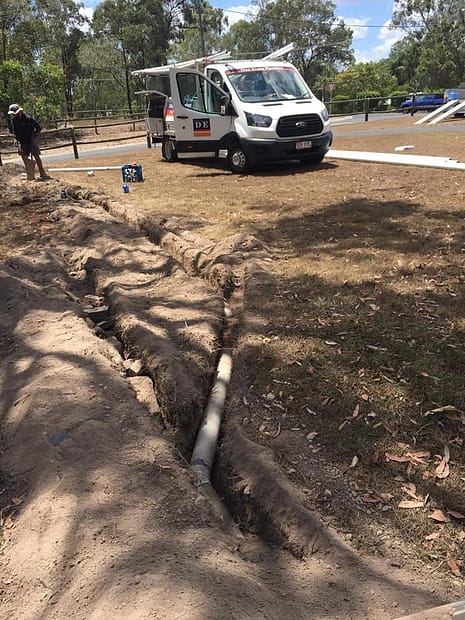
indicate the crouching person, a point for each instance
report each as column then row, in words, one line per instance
column 27, row 131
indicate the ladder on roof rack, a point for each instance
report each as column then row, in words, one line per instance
column 281, row 52
column 185, row 64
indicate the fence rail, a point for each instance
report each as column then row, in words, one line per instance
column 74, row 142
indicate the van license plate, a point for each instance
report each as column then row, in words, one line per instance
column 305, row 144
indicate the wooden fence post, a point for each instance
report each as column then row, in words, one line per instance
column 73, row 140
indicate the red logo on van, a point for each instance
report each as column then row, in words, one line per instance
column 202, row 127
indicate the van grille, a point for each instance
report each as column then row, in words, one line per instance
column 299, row 125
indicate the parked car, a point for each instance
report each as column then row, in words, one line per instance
column 455, row 94
column 423, row 102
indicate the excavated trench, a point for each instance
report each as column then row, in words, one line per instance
column 167, row 308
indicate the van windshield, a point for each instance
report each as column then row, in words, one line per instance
column 268, row 84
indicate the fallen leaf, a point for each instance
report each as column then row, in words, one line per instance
column 397, row 459
column 386, row 496
column 454, row 567
column 455, row 514
column 369, row 499
column 444, row 409
column 354, row 462
column 438, row 515
column 411, row 490
column 410, row 504
column 433, row 536
column 442, row 470
column 419, row 455
column 17, row 500
column 311, row 435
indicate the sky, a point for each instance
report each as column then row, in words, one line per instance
column 368, row 19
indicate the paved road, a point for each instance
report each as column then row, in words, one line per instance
column 109, row 150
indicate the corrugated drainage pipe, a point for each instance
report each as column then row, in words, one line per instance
column 204, row 451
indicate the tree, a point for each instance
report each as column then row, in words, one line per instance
column 101, row 83
column 322, row 40
column 438, row 29
column 366, row 78
column 244, row 39
column 11, row 84
column 201, row 30
column 20, row 31
column 404, row 59
column 60, row 23
column 139, row 30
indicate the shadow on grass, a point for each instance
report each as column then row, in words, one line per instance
column 364, row 337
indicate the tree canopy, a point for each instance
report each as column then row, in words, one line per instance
column 86, row 64
column 432, row 54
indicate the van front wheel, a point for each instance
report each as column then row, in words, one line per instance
column 168, row 151
column 238, row 160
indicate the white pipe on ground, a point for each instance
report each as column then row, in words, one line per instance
column 203, row 454
column 452, row 611
column 390, row 158
column 204, row 451
column 85, row 169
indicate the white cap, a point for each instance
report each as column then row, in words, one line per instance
column 14, row 109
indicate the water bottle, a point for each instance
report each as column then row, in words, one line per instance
column 125, row 188
column 63, row 193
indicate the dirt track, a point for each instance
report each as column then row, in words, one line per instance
column 103, row 518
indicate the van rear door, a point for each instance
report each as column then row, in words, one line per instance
column 200, row 114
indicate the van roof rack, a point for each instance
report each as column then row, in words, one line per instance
column 223, row 56
column 186, row 64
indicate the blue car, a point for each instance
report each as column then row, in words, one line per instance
column 423, row 102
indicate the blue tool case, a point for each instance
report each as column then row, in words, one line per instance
column 132, row 173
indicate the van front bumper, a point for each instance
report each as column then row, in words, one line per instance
column 268, row 150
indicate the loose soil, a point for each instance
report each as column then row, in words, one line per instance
column 343, row 291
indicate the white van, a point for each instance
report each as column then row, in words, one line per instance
column 247, row 112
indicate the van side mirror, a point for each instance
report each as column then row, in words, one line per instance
column 225, row 103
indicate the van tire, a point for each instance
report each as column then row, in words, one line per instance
column 168, row 150
column 238, row 160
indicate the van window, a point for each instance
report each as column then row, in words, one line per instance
column 198, row 94
column 160, row 83
column 263, row 84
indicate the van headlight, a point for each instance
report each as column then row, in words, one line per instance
column 324, row 114
column 258, row 120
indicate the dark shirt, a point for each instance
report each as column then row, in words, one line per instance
column 25, row 128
